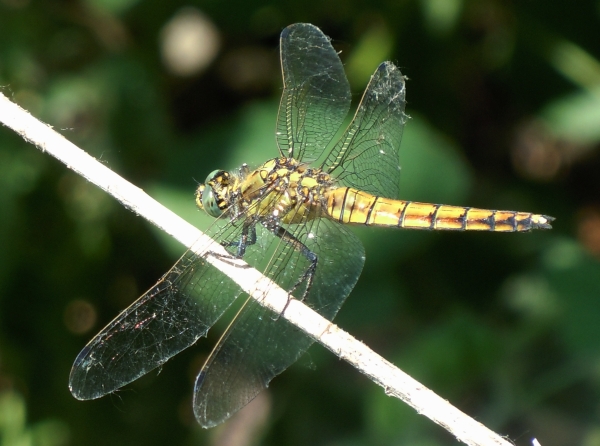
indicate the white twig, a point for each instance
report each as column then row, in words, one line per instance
column 393, row 380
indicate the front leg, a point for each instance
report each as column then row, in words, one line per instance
column 308, row 275
column 247, row 238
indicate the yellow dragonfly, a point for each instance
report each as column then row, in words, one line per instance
column 287, row 219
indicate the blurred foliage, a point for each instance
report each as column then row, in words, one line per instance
column 506, row 113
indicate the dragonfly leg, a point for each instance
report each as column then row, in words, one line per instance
column 309, row 274
column 247, row 238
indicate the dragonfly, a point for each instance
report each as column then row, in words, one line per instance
column 288, row 218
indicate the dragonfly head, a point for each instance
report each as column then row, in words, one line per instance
column 212, row 195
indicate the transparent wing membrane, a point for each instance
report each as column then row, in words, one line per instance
column 316, row 94
column 168, row 318
column 366, row 156
column 259, row 344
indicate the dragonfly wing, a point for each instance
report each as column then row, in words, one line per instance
column 168, row 318
column 259, row 345
column 366, row 156
column 316, row 94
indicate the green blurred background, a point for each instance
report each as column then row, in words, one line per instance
column 505, row 106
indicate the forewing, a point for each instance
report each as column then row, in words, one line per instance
column 168, row 318
column 316, row 95
column 367, row 155
column 259, row 344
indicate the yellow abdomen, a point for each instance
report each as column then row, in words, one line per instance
column 351, row 206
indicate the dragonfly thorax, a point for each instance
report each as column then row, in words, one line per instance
column 283, row 188
column 286, row 190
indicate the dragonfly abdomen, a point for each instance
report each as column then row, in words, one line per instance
column 351, row 206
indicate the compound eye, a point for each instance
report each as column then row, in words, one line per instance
column 208, row 196
column 209, row 202
column 214, row 174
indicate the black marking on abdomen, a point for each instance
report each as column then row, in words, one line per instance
column 512, row 221
column 433, row 217
column 463, row 219
column 343, row 207
column 490, row 221
column 371, row 210
column 403, row 214
column 352, row 207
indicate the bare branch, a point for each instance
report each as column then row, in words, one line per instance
column 394, row 382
